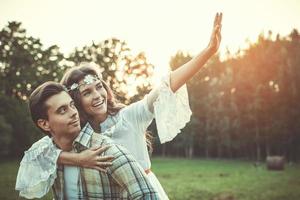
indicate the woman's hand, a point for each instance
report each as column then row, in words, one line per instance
column 215, row 38
column 91, row 158
column 184, row 73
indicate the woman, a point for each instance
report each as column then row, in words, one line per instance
column 168, row 104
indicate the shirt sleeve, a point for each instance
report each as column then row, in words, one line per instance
column 171, row 109
column 37, row 170
column 129, row 174
column 138, row 115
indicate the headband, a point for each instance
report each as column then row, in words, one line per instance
column 87, row 80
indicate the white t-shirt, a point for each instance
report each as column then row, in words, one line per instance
column 71, row 176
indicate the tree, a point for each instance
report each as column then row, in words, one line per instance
column 128, row 75
column 23, row 62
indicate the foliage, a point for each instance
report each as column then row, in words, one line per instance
column 246, row 105
column 24, row 64
column 128, row 75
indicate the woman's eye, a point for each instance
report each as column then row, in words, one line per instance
column 99, row 87
column 86, row 94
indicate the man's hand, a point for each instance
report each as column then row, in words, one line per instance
column 91, row 158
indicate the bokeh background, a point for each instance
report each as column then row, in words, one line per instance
column 245, row 100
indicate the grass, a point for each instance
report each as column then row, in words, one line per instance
column 202, row 179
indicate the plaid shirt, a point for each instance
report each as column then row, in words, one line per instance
column 125, row 179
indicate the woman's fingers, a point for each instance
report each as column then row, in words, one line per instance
column 216, row 19
column 104, row 164
column 217, row 29
column 220, row 19
column 105, row 158
column 99, row 169
column 102, row 149
column 94, row 148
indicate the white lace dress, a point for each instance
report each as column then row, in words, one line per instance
column 37, row 170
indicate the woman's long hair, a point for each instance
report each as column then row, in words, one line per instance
column 75, row 75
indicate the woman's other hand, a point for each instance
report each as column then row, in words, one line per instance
column 90, row 158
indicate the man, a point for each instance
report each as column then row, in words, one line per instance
column 53, row 111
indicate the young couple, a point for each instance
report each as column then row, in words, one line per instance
column 108, row 157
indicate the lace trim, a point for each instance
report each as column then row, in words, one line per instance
column 37, row 171
column 172, row 110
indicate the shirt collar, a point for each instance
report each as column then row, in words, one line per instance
column 85, row 135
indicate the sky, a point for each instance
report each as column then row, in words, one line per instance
column 157, row 27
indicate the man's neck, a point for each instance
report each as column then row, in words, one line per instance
column 64, row 143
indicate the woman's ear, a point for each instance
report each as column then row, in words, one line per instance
column 43, row 124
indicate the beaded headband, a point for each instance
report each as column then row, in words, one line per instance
column 87, row 80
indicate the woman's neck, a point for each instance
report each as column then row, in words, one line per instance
column 95, row 123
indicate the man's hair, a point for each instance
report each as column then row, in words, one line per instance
column 39, row 96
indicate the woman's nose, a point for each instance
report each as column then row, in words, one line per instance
column 96, row 94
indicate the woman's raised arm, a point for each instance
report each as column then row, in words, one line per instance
column 181, row 75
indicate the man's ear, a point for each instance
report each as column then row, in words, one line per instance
column 43, row 124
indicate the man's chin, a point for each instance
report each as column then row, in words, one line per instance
column 74, row 134
column 76, row 131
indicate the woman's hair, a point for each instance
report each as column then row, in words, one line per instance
column 75, row 75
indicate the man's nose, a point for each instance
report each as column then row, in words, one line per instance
column 74, row 112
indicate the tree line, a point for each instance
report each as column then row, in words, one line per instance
column 244, row 106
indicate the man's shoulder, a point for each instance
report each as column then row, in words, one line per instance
column 100, row 140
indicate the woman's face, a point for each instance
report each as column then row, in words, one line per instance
column 93, row 99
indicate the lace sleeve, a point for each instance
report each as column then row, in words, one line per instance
column 171, row 109
column 37, row 170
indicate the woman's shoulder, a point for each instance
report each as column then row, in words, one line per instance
column 135, row 107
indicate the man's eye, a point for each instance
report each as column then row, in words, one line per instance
column 62, row 110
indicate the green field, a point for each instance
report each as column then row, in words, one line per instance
column 202, row 179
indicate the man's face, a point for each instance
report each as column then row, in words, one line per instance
column 63, row 120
